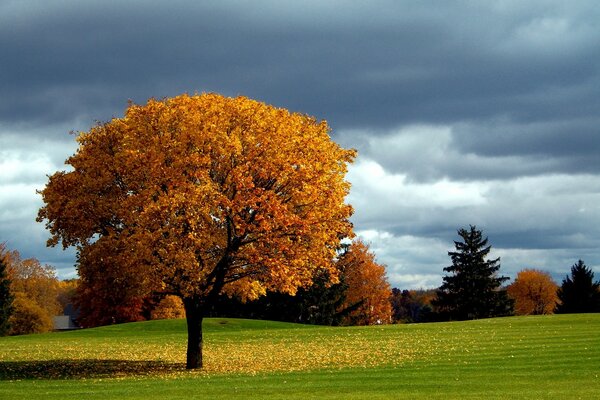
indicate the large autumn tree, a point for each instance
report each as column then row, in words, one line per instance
column 534, row 292
column 472, row 288
column 199, row 195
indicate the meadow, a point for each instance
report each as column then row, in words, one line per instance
column 544, row 357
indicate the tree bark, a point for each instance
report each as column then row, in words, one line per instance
column 194, row 313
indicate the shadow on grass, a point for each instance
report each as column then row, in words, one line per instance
column 82, row 369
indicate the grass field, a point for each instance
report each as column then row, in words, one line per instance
column 549, row 357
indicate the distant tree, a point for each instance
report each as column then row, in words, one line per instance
column 38, row 282
column 320, row 304
column 367, row 285
column 579, row 293
column 534, row 292
column 324, row 303
column 35, row 290
column 472, row 288
column 201, row 195
column 170, row 307
column 98, row 306
column 360, row 297
column 6, row 297
column 66, row 292
column 105, row 294
column 411, row 305
column 28, row 317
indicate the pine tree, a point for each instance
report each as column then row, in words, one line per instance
column 579, row 293
column 472, row 288
column 6, row 299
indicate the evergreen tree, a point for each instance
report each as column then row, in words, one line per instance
column 6, row 299
column 323, row 303
column 579, row 293
column 472, row 288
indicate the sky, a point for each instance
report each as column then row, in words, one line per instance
column 482, row 113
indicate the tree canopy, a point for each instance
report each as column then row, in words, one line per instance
column 472, row 289
column 579, row 293
column 368, row 292
column 198, row 195
column 534, row 292
column 34, row 289
column 6, row 296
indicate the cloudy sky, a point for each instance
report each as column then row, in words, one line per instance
column 463, row 112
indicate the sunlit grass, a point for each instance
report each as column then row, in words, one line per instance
column 525, row 356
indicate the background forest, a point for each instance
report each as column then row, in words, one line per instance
column 31, row 295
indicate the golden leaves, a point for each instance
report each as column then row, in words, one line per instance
column 367, row 286
column 187, row 182
column 534, row 292
column 229, row 351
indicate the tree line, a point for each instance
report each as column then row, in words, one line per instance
column 473, row 289
column 31, row 294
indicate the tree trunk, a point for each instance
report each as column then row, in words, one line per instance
column 194, row 314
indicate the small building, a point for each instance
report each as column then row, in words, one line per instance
column 66, row 322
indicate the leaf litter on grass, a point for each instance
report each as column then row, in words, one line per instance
column 284, row 350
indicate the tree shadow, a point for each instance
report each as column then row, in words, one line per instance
column 83, row 369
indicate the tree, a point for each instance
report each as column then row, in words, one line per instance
column 200, row 195
column 411, row 305
column 368, row 290
column 170, row 307
column 323, row 303
column 579, row 293
column 320, row 304
column 472, row 289
column 66, row 292
column 6, row 297
column 534, row 292
column 28, row 317
column 107, row 294
column 38, row 282
column 35, row 290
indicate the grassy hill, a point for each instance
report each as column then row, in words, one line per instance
column 549, row 357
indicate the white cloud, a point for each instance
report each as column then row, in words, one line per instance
column 24, row 167
column 459, row 152
column 411, row 261
column 545, row 221
column 27, row 156
column 376, row 190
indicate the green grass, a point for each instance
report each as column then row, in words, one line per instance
column 549, row 357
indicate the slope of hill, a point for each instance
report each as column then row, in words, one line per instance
column 518, row 357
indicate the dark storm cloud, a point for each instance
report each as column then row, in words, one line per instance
column 382, row 65
column 476, row 112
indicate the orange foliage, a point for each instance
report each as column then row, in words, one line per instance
column 171, row 307
column 367, row 286
column 107, row 294
column 35, row 281
column 28, row 317
column 198, row 195
column 534, row 292
column 66, row 292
